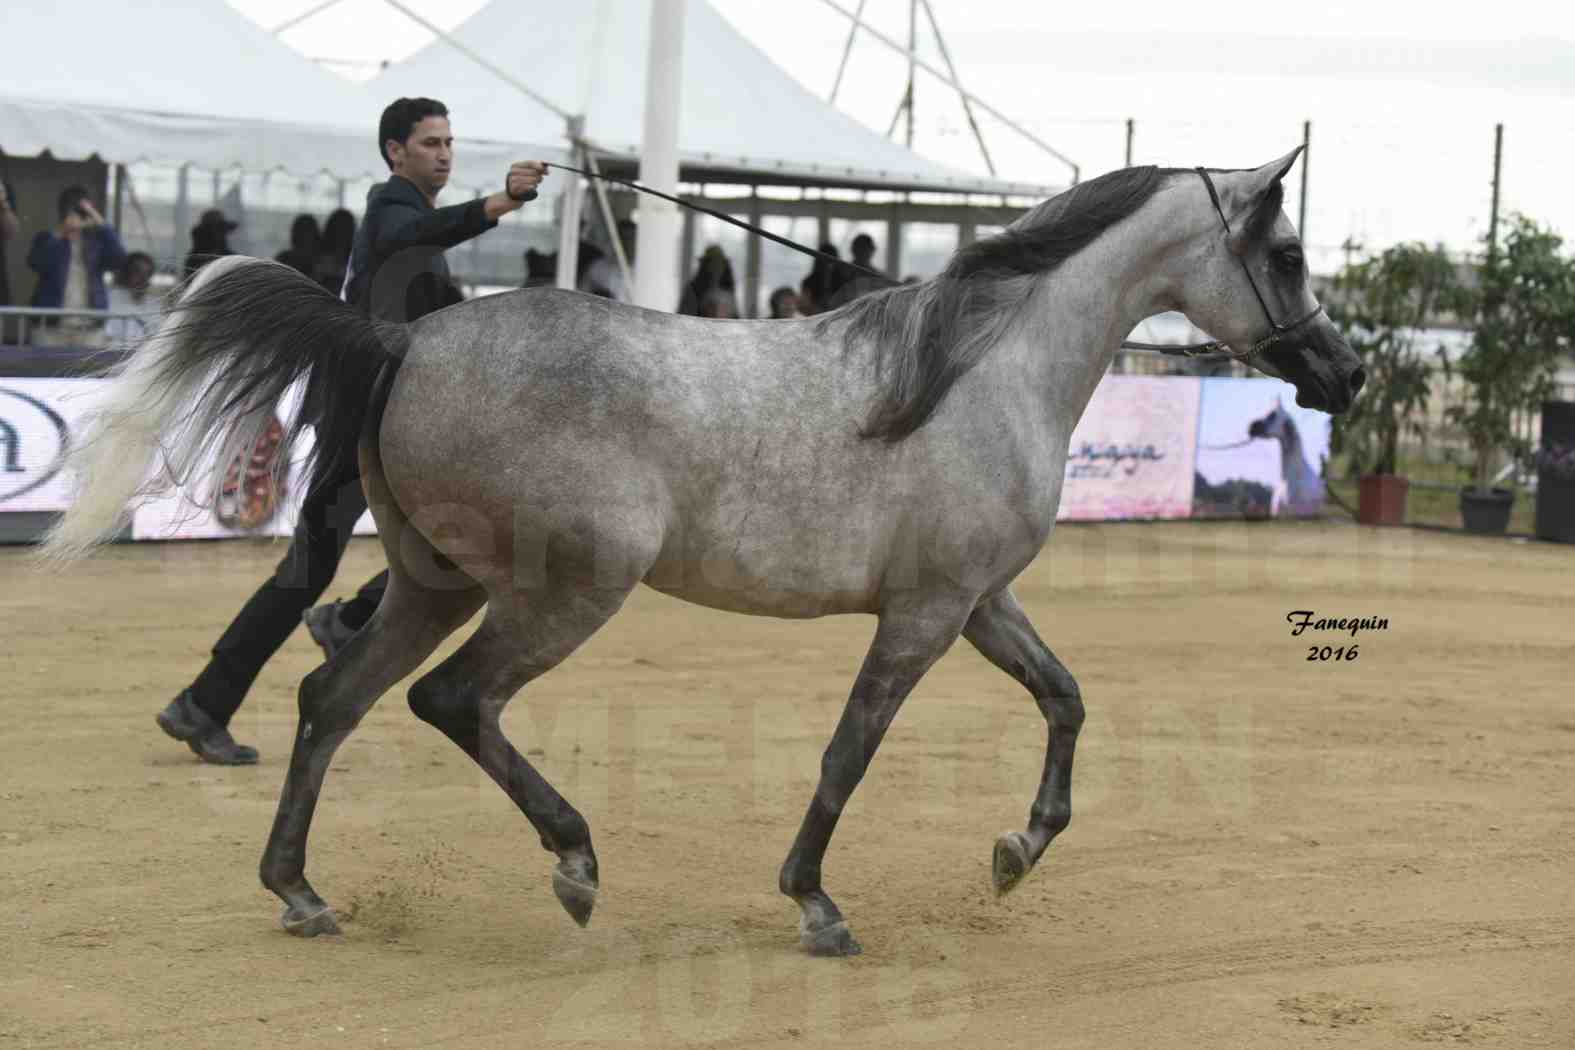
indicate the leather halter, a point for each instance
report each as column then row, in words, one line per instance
column 1277, row 331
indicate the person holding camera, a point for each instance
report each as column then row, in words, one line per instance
column 71, row 261
column 397, row 273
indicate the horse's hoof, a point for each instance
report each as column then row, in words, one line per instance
column 578, row 898
column 833, row 940
column 302, row 924
column 1010, row 862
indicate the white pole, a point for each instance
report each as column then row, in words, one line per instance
column 569, row 227
column 656, row 278
column 609, row 220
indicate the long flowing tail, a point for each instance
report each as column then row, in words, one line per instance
column 235, row 337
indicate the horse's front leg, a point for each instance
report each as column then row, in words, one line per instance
column 1000, row 630
column 907, row 643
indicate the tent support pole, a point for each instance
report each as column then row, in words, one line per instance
column 951, row 83
column 752, row 258
column 569, row 227
column 610, row 220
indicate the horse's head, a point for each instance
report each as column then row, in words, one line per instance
column 1274, row 425
column 1245, row 281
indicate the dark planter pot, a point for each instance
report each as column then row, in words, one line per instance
column 1380, row 499
column 1486, row 513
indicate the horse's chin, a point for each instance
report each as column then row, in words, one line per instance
column 1314, row 395
column 1311, row 398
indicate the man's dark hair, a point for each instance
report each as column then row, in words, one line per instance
column 69, row 198
column 401, row 118
column 864, row 245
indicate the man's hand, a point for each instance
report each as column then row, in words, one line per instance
column 519, row 186
column 93, row 218
column 523, row 178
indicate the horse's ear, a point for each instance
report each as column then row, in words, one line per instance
column 1252, row 185
column 1248, row 190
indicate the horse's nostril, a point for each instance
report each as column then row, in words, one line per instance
column 1358, row 377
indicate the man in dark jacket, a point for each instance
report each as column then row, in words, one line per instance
column 397, row 273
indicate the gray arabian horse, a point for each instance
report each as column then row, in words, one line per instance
column 542, row 453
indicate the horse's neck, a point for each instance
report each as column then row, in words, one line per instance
column 1292, row 462
column 1078, row 314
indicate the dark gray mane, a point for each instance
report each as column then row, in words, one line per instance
column 926, row 336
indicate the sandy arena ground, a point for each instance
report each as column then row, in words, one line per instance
column 1265, row 851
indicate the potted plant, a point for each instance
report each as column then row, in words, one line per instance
column 1381, row 305
column 1524, row 307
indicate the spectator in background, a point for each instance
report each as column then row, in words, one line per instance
column 210, row 239
column 784, row 304
column 304, row 247
column 586, row 257
column 541, row 269
column 333, row 249
column 132, row 295
column 856, row 283
column 71, row 261
column 814, row 294
column 714, row 274
column 604, row 276
column 719, row 303
column 10, row 228
column 864, row 253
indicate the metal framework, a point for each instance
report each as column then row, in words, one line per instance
column 914, row 61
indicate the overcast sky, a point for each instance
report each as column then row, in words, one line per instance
column 1402, row 95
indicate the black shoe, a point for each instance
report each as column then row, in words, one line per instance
column 210, row 741
column 327, row 628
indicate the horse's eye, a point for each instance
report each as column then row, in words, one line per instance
column 1287, row 260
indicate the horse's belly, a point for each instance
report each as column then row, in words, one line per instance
column 773, row 571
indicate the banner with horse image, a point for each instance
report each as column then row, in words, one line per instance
column 1132, row 453
column 1260, row 454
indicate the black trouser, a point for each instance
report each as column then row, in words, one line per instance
column 328, row 515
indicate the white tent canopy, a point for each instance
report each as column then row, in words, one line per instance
column 188, row 82
column 741, row 114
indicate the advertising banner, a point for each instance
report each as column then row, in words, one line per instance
column 1132, row 452
column 40, row 419
column 1259, row 453
column 249, row 505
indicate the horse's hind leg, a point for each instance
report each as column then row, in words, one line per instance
column 409, row 624
column 522, row 637
column 1000, row 630
column 906, row 644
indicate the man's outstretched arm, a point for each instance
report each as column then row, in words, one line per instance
column 407, row 226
